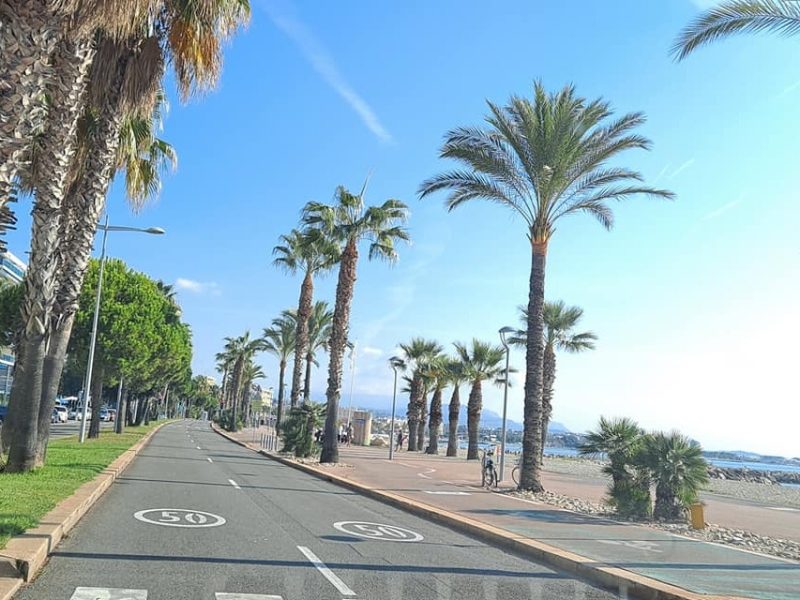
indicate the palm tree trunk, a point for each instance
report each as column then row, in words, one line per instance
column 19, row 434
column 71, row 64
column 454, row 410
column 279, row 412
column 474, row 406
column 301, row 335
column 339, row 334
column 423, row 417
column 548, row 379
column 412, row 414
column 51, row 378
column 307, row 382
column 238, row 371
column 530, row 476
column 435, row 423
column 29, row 33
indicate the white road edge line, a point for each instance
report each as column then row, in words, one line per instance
column 234, row 484
column 208, row 458
column 326, row 572
column 226, row 596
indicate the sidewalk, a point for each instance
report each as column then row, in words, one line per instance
column 697, row 566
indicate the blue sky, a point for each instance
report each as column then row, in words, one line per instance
column 694, row 301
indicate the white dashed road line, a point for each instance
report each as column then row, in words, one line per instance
column 199, row 448
column 208, row 458
column 226, row 596
column 340, row 585
column 234, row 484
column 87, row 593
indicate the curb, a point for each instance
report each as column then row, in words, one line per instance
column 25, row 554
column 588, row 569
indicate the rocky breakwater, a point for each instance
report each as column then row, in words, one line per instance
column 753, row 476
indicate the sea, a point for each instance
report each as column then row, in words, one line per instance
column 728, row 464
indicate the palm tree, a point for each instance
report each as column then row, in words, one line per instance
column 348, row 222
column 481, row 361
column 415, row 356
column 678, row 469
column 544, row 159
column 242, row 349
column 251, row 373
column 457, row 378
column 439, row 375
column 279, row 340
column 738, row 16
column 310, row 253
column 319, row 332
column 621, row 440
column 143, row 158
column 559, row 322
column 125, row 72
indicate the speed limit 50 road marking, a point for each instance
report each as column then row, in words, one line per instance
column 179, row 517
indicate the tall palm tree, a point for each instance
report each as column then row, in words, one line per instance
column 457, row 378
column 482, row 361
column 320, row 324
column 143, row 158
column 415, row 355
column 310, row 253
column 126, row 71
column 439, row 375
column 279, row 340
column 738, row 16
column 242, row 350
column 544, row 159
column 348, row 222
column 559, row 323
column 252, row 372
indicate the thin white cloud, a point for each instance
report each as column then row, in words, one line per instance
column 723, row 209
column 371, row 351
column 322, row 62
column 661, row 173
column 197, row 287
column 705, row 4
column 681, row 168
column 787, row 90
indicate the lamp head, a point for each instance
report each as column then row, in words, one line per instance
column 504, row 331
column 155, row 230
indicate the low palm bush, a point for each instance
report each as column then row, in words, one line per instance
column 298, row 429
column 678, row 469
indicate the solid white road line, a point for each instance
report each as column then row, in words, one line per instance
column 86, row 593
column 234, row 484
column 340, row 585
column 226, row 596
column 208, row 458
column 448, row 493
column 783, row 508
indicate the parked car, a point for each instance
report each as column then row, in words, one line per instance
column 60, row 414
column 112, row 414
column 75, row 413
column 105, row 414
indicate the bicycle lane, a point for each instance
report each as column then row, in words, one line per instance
column 694, row 565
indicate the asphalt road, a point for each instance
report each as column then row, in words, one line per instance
column 286, row 536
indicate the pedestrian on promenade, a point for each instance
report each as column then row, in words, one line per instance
column 399, row 441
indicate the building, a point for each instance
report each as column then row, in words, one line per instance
column 12, row 270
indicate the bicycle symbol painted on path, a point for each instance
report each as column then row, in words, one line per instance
column 179, row 517
column 378, row 531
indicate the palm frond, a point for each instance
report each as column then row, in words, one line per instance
column 740, row 16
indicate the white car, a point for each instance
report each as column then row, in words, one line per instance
column 75, row 414
column 60, row 414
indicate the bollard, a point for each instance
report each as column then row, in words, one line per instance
column 696, row 516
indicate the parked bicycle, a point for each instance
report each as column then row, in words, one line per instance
column 515, row 471
column 488, row 470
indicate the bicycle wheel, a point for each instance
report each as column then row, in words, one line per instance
column 515, row 475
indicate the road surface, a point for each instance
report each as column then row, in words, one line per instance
column 197, row 517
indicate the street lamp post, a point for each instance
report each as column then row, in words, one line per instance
column 395, row 363
column 88, row 379
column 503, row 332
